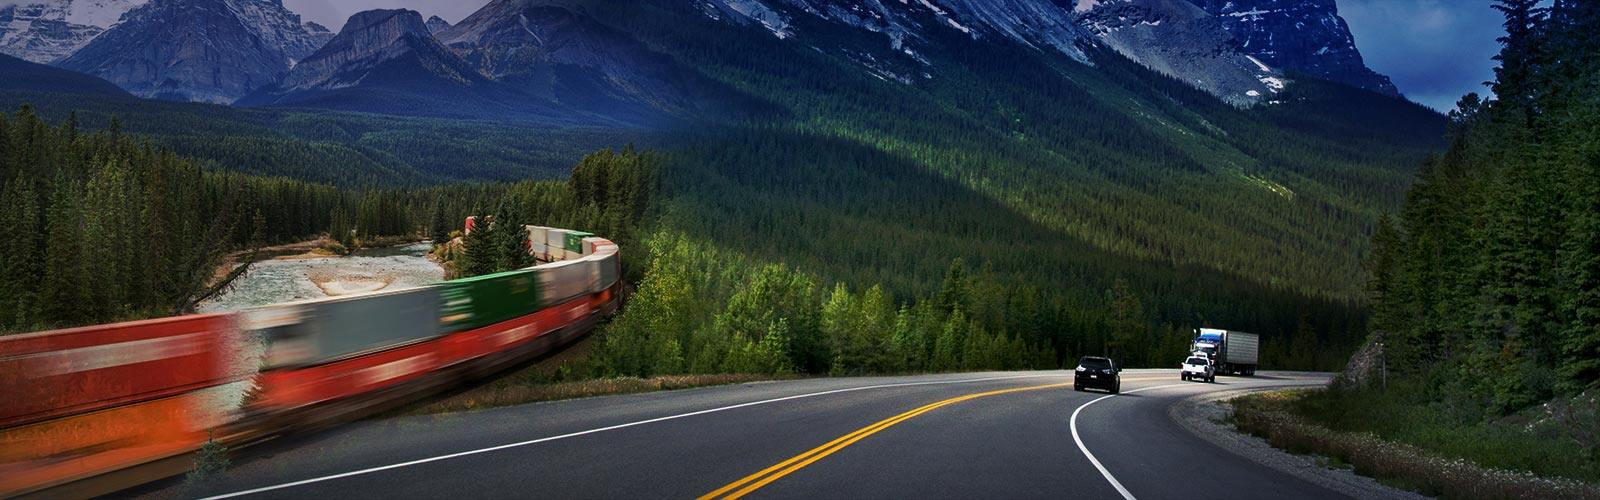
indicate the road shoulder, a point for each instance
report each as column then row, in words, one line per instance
column 1206, row 417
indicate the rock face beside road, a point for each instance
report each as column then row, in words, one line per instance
column 1365, row 366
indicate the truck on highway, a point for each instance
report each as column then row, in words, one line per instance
column 1233, row 353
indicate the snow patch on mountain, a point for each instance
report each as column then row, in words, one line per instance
column 755, row 11
column 101, row 13
column 1035, row 23
column 1258, row 62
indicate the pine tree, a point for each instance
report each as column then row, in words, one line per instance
column 509, row 239
column 438, row 223
column 479, row 258
column 20, row 268
column 1129, row 330
column 953, row 294
column 1520, row 54
column 64, row 291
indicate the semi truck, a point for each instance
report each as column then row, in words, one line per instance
column 1233, row 353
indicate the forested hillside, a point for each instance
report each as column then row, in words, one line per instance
column 1060, row 180
column 101, row 228
column 349, row 150
column 1486, row 287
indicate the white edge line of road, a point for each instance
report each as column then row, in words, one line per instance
column 1085, row 449
column 674, row 417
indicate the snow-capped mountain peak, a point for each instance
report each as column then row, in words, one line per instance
column 45, row 30
column 250, row 44
column 1235, row 49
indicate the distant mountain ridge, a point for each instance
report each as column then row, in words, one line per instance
column 552, row 60
column 199, row 50
column 34, row 77
column 511, row 60
column 378, row 59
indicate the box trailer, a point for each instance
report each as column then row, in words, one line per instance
column 1234, row 353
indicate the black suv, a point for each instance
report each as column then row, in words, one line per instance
column 1097, row 372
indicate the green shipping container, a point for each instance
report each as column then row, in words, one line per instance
column 575, row 240
column 485, row 300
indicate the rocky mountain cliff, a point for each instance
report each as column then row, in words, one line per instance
column 1235, row 50
column 435, row 24
column 375, row 58
column 1302, row 35
column 199, row 50
column 565, row 57
column 373, row 39
column 46, row 30
column 1180, row 40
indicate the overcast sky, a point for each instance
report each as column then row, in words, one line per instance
column 1435, row 50
column 333, row 13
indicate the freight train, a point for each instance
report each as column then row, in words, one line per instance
column 77, row 403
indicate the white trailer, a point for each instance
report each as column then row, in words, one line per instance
column 1234, row 353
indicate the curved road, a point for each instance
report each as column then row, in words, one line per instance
column 988, row 435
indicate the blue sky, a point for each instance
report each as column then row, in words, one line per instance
column 1435, row 50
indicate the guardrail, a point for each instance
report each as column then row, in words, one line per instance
column 85, row 402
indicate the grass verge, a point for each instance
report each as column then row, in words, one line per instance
column 1278, row 417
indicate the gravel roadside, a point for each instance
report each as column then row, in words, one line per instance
column 1206, row 416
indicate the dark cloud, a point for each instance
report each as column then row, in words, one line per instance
column 1435, row 50
column 333, row 13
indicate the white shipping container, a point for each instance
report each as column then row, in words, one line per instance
column 562, row 282
column 537, row 234
column 556, row 238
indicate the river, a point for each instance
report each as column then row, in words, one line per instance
column 288, row 280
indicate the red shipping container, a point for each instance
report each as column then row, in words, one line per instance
column 293, row 388
column 63, row 372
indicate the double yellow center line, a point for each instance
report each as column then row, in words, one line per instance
column 755, row 481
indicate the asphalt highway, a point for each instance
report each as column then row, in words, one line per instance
column 987, row 435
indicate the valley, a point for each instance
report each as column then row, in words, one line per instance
column 819, row 188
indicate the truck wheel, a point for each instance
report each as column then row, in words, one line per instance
column 1185, row 377
column 1077, row 387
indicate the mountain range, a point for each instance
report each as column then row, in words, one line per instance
column 558, row 61
column 511, row 60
